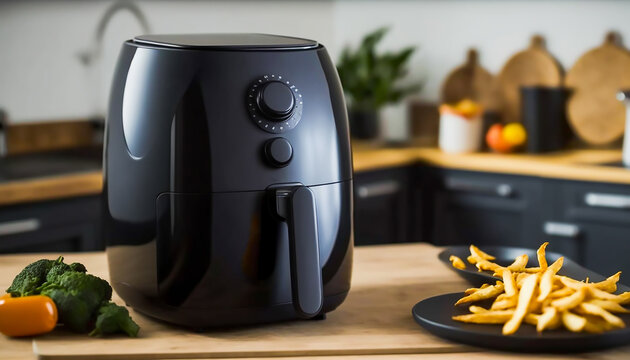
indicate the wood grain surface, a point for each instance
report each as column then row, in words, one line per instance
column 51, row 188
column 470, row 81
column 582, row 165
column 34, row 137
column 374, row 323
column 594, row 113
column 534, row 66
column 375, row 319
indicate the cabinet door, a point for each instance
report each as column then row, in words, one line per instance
column 597, row 220
column 57, row 226
column 485, row 209
column 381, row 207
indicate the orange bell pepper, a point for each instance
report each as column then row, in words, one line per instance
column 28, row 315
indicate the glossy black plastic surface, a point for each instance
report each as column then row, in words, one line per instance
column 306, row 277
column 226, row 41
column 192, row 233
column 278, row 152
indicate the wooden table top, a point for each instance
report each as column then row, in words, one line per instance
column 375, row 321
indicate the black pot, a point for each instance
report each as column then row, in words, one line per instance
column 364, row 124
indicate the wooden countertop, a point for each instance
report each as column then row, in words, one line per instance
column 584, row 165
column 572, row 165
column 375, row 320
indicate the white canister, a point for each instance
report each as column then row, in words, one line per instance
column 624, row 95
column 460, row 134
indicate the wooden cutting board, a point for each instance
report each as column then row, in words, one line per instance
column 533, row 66
column 595, row 114
column 375, row 318
column 469, row 81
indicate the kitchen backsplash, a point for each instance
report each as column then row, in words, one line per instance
column 41, row 76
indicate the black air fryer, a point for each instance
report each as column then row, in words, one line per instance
column 228, row 179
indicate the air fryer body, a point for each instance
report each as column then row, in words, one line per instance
column 196, row 231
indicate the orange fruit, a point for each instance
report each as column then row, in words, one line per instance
column 495, row 140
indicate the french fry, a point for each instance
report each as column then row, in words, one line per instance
column 457, row 262
column 595, row 324
column 488, row 317
column 560, row 293
column 592, row 309
column 486, row 265
column 549, row 316
column 519, row 264
column 531, row 319
column 609, row 305
column 472, row 290
column 610, row 284
column 505, row 303
column 509, row 283
column 474, row 251
column 482, row 294
column 524, row 298
column 542, row 260
column 477, row 309
column 572, row 321
column 542, row 298
column 546, row 281
column 571, row 301
column 601, row 294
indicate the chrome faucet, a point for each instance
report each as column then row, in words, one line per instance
column 88, row 56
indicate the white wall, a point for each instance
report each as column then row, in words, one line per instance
column 42, row 79
column 443, row 30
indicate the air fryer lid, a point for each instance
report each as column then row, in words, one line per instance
column 226, row 41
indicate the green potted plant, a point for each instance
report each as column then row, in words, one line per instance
column 371, row 80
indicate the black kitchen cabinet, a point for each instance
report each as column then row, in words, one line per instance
column 52, row 226
column 381, row 206
column 586, row 221
column 482, row 208
column 590, row 222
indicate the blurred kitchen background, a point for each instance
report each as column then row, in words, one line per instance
column 486, row 122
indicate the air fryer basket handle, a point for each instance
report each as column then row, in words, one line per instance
column 306, row 273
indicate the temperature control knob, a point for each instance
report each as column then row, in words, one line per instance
column 275, row 100
column 274, row 103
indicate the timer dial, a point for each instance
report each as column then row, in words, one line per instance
column 275, row 100
column 274, row 103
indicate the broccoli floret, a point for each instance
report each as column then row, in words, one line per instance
column 61, row 268
column 113, row 319
column 73, row 312
column 77, row 297
column 56, row 271
column 33, row 275
column 78, row 267
column 91, row 289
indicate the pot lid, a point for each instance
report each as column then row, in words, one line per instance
column 226, row 41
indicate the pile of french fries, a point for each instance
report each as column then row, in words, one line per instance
column 541, row 297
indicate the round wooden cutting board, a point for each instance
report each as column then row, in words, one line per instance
column 533, row 66
column 469, row 81
column 594, row 113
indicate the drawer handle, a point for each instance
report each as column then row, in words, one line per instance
column 378, row 189
column 607, row 200
column 561, row 229
column 18, row 226
column 502, row 190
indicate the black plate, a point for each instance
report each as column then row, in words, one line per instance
column 505, row 256
column 434, row 314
